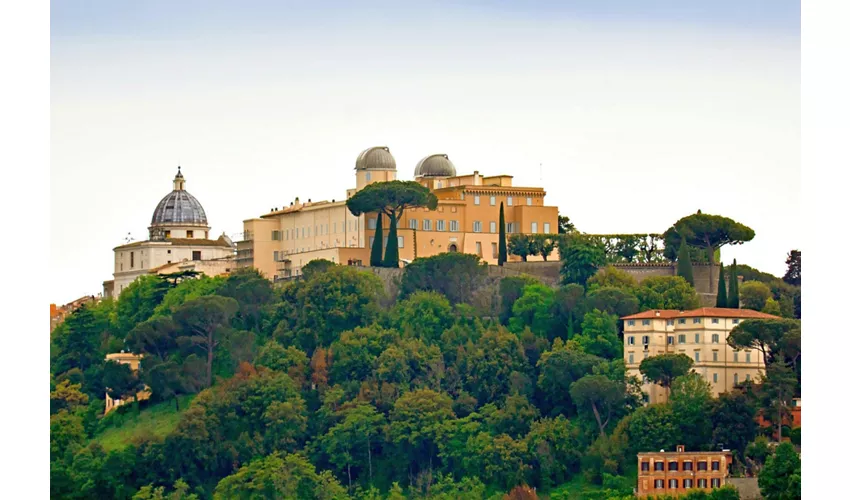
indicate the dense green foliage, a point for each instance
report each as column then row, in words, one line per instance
column 326, row 388
column 684, row 268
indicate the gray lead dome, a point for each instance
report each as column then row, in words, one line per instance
column 179, row 207
column 437, row 165
column 377, row 158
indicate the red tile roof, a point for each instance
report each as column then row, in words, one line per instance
column 703, row 312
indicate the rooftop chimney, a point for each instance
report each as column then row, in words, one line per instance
column 657, row 313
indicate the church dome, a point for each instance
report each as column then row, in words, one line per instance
column 377, row 158
column 179, row 208
column 437, row 165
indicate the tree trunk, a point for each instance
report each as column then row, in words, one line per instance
column 369, row 453
column 349, row 477
column 209, row 359
column 598, row 419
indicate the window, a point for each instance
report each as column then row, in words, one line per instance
column 735, row 356
column 477, row 200
column 196, row 255
column 645, row 340
column 190, row 234
column 714, row 356
column 495, row 250
column 670, row 322
column 441, row 225
column 492, row 201
column 682, row 321
column 413, row 224
column 368, row 176
column 696, row 338
column 670, row 340
column 276, row 259
column 714, row 321
column 687, row 465
column 644, row 466
column 528, row 201
column 673, row 466
column 371, row 241
column 373, row 223
column 696, row 356
column 476, row 226
column 275, row 235
column 478, row 248
column 169, row 252
column 533, row 228
column 492, row 226
column 747, row 354
column 132, row 259
column 715, row 338
column 735, row 321
column 714, row 377
column 631, row 322
column 735, row 378
column 702, row 465
column 454, row 226
column 168, row 234
column 659, row 484
column 546, row 227
column 674, row 484
column 510, row 201
column 645, row 322
column 426, row 225
column 682, row 339
column 401, row 241
column 509, row 227
column 659, row 466
column 631, row 358
column 701, row 483
column 687, row 483
column 748, row 377
column 631, row 341
column 715, row 481
column 697, row 321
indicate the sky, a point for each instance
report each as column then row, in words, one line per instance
column 630, row 114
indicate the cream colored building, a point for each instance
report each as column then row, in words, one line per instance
column 466, row 220
column 179, row 233
column 133, row 361
column 700, row 334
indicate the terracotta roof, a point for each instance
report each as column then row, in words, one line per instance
column 702, row 312
column 193, row 242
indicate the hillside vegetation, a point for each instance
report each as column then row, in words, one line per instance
column 314, row 390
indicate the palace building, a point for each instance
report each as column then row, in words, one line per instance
column 700, row 334
column 179, row 233
column 280, row 242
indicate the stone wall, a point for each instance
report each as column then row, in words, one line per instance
column 391, row 278
column 748, row 487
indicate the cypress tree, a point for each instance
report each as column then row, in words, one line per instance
column 721, row 289
column 684, row 268
column 503, row 242
column 377, row 245
column 732, row 298
column 391, row 254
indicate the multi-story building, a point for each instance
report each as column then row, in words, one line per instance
column 676, row 473
column 179, row 232
column 700, row 334
column 466, row 219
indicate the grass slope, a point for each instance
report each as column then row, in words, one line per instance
column 122, row 429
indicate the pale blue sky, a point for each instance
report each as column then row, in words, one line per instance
column 639, row 115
